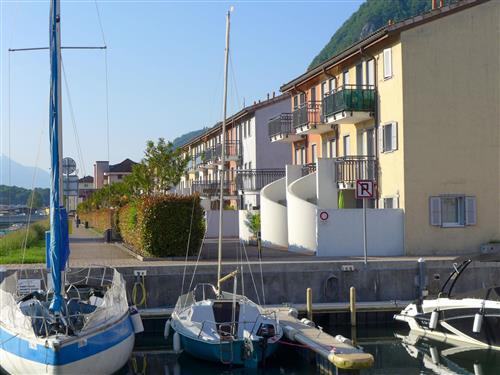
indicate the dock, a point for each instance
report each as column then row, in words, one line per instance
column 337, row 351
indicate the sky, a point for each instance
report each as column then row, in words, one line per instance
column 165, row 69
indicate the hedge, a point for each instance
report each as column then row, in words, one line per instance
column 159, row 226
column 99, row 219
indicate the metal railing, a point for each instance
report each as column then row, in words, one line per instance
column 352, row 168
column 256, row 179
column 212, row 188
column 232, row 149
column 280, row 125
column 308, row 113
column 308, row 168
column 349, row 98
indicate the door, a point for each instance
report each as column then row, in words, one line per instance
column 359, row 74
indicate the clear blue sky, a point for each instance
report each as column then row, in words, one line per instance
column 165, row 67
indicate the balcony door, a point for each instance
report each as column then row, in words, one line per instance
column 359, row 74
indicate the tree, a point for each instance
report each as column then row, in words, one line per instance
column 35, row 200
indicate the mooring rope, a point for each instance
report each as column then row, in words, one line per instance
column 187, row 247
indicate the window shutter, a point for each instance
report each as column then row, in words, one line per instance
column 387, row 63
column 394, row 143
column 470, row 211
column 381, row 139
column 435, row 211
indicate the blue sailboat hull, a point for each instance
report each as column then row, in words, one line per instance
column 228, row 352
column 104, row 350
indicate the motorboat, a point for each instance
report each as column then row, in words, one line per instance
column 471, row 318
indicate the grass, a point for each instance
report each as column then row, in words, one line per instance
column 12, row 245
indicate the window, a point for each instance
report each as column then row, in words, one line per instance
column 345, row 78
column 387, row 63
column 333, row 84
column 249, row 165
column 313, row 94
column 314, row 154
column 332, row 148
column 303, row 155
column 359, row 74
column 370, row 72
column 452, row 210
column 297, row 156
column 391, row 202
column 302, row 99
column 347, row 145
column 295, row 102
column 389, row 137
column 324, row 89
column 249, row 128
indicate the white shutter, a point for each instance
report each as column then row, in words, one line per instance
column 435, row 211
column 470, row 211
column 387, row 63
column 394, row 143
column 381, row 139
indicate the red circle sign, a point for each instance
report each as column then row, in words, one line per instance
column 323, row 215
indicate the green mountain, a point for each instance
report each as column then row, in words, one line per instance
column 185, row 138
column 371, row 16
column 22, row 196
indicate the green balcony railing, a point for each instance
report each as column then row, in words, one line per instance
column 349, row 98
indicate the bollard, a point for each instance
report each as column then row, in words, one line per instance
column 309, row 304
column 422, row 278
column 352, row 305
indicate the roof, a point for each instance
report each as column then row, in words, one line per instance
column 382, row 33
column 86, row 179
column 238, row 115
column 123, row 167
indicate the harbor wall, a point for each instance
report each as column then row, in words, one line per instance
column 286, row 282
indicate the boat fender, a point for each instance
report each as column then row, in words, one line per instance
column 434, row 354
column 478, row 322
column 307, row 322
column 177, row 343
column 135, row 317
column 434, row 319
column 293, row 312
column 166, row 331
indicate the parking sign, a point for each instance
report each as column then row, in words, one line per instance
column 364, row 189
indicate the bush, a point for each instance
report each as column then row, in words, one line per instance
column 99, row 219
column 16, row 239
column 159, row 226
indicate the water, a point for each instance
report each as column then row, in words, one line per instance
column 393, row 347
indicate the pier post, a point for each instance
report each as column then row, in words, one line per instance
column 309, row 304
column 352, row 305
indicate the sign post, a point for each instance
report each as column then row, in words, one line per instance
column 364, row 191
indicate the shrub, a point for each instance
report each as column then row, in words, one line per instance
column 99, row 219
column 159, row 226
column 16, row 239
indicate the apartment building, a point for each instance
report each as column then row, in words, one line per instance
column 251, row 162
column 413, row 107
column 106, row 174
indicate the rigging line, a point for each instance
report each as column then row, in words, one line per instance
column 187, row 247
column 107, row 117
column 100, row 22
column 35, row 171
column 46, row 48
column 73, row 121
column 233, row 75
column 261, row 276
column 251, row 273
column 9, row 120
column 199, row 253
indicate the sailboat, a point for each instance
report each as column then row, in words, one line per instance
column 220, row 326
column 70, row 327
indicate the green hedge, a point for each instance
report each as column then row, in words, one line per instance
column 99, row 219
column 159, row 226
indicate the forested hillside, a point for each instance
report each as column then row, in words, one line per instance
column 371, row 16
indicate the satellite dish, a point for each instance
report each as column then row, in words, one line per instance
column 68, row 166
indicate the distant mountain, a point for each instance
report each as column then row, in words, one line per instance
column 17, row 195
column 371, row 16
column 185, row 138
column 22, row 175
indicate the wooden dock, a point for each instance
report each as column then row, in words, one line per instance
column 336, row 351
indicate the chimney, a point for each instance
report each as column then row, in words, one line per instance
column 274, row 94
column 267, row 96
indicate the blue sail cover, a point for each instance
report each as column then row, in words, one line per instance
column 56, row 230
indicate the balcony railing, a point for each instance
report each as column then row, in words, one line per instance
column 212, row 188
column 350, row 98
column 307, row 114
column 308, row 168
column 280, row 125
column 351, row 168
column 256, row 179
column 232, row 149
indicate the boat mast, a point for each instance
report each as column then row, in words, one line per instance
column 223, row 151
column 55, row 133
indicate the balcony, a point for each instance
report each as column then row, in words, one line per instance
column 308, row 168
column 349, row 104
column 308, row 119
column 255, row 179
column 232, row 151
column 211, row 189
column 281, row 130
column 348, row 169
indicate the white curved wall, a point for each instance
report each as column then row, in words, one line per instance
column 302, row 214
column 273, row 215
